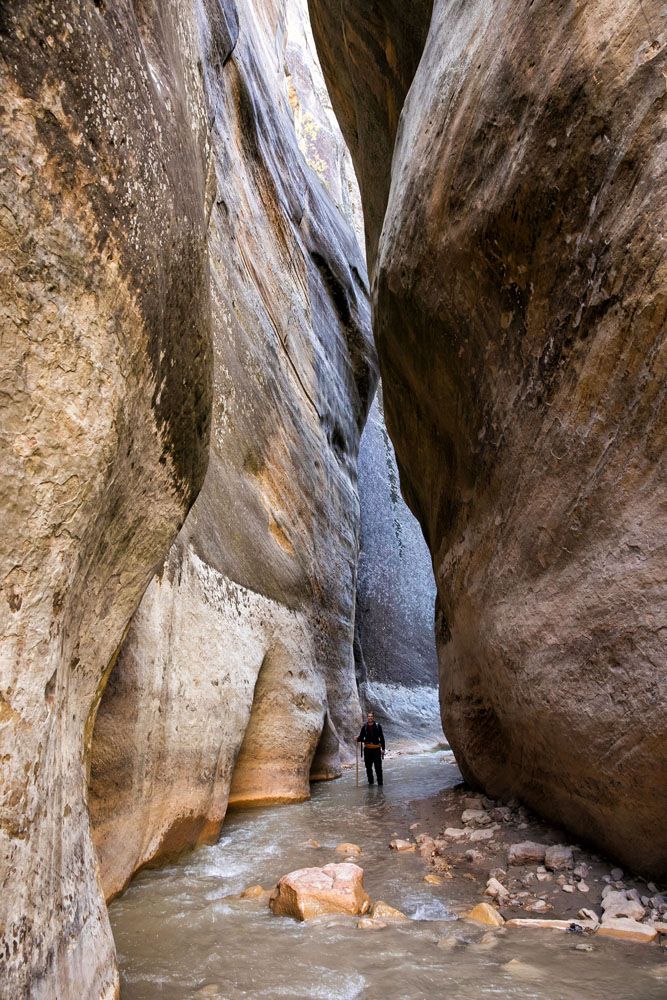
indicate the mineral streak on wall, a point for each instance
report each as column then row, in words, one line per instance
column 512, row 162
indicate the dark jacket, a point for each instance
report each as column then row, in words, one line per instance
column 371, row 734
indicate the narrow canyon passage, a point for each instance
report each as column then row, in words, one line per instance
column 183, row 933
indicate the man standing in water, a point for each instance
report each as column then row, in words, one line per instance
column 372, row 737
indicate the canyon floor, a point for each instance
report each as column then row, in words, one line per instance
column 185, row 932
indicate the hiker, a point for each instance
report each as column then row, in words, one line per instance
column 372, row 737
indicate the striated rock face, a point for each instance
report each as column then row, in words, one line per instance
column 237, row 679
column 519, row 316
column 395, row 654
column 105, row 381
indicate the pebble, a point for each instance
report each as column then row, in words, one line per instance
column 582, row 887
column 495, row 889
column 415, row 826
column 616, row 874
column 583, row 947
column 433, row 879
column 369, row 924
column 348, row 849
column 475, row 817
column 582, row 870
column 568, row 888
column 526, row 853
column 558, row 858
column 522, row 970
column 477, row 835
column 455, row 834
column 539, row 906
column 402, row 846
column 312, row 843
column 474, row 857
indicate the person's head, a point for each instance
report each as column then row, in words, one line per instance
column 370, row 718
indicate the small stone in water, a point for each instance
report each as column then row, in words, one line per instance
column 583, row 947
column 402, row 846
column 369, row 924
column 474, row 857
column 582, row 887
column 522, row 970
column 415, row 826
column 568, row 888
column 484, row 913
column 348, row 849
column 434, row 879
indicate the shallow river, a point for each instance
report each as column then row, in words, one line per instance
column 179, row 936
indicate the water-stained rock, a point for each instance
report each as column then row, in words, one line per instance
column 106, row 372
column 519, row 315
column 236, row 682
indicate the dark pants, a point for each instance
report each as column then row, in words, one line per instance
column 372, row 757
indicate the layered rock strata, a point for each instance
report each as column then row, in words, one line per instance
column 519, row 311
column 105, row 381
column 236, row 681
column 396, row 661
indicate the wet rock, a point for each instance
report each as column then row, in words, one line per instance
column 431, row 879
column 582, row 870
column 567, row 887
column 498, row 873
column 474, row 857
column 582, row 887
column 627, row 929
column 484, row 913
column 452, row 833
column 368, row 924
column 312, row 843
column 522, row 970
column 558, row 858
column 255, row 892
column 616, row 874
column 584, row 946
column 402, row 846
column 312, row 892
column 526, row 853
column 383, row 911
column 352, row 849
column 586, row 914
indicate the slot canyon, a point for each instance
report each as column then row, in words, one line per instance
column 333, row 377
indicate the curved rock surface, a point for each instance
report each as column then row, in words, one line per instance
column 236, row 682
column 395, row 655
column 105, row 381
column 519, row 311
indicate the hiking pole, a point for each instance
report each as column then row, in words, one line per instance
column 356, row 757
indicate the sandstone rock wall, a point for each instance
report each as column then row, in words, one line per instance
column 519, row 314
column 238, row 674
column 396, row 661
column 105, row 380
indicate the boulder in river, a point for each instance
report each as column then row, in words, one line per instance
column 484, row 913
column 348, row 849
column 402, row 846
column 383, row 911
column 312, row 892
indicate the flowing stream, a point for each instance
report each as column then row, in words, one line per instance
column 181, row 934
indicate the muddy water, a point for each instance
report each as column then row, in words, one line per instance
column 181, row 933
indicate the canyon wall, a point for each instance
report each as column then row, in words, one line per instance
column 395, row 655
column 519, row 313
column 236, row 682
column 106, row 372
